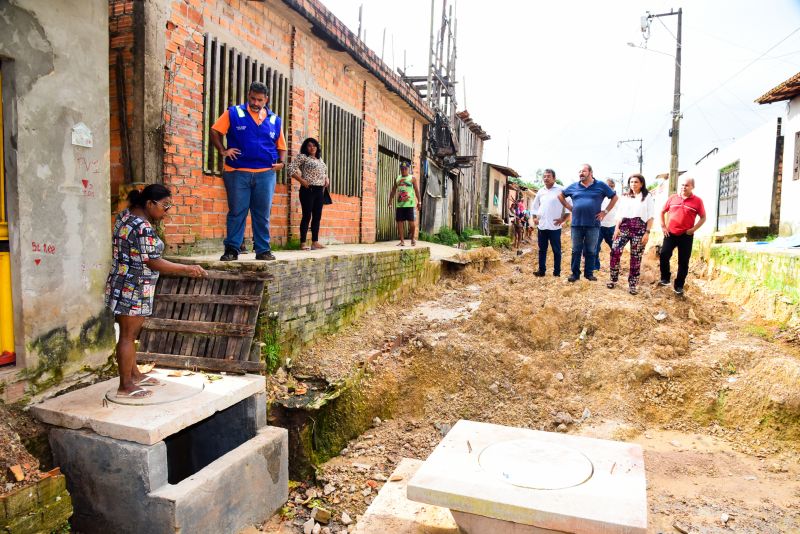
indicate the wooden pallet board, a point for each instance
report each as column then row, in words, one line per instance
column 204, row 323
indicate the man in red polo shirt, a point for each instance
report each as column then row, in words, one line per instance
column 686, row 214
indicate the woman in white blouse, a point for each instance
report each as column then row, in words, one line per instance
column 634, row 220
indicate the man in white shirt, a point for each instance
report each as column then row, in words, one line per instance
column 549, row 215
column 607, row 225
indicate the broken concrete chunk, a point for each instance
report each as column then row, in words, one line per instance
column 345, row 520
column 562, row 418
column 321, row 515
column 660, row 315
column 16, row 472
column 308, row 526
column 559, row 377
column 680, row 527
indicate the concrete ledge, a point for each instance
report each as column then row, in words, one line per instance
column 392, row 512
column 243, row 487
column 85, row 408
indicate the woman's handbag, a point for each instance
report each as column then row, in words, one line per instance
column 326, row 197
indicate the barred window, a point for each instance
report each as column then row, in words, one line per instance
column 227, row 77
column 342, row 138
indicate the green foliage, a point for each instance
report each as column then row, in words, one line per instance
column 272, row 347
column 292, row 243
column 496, row 242
column 467, row 233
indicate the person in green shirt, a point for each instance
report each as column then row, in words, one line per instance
column 408, row 201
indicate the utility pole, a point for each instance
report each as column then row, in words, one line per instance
column 638, row 152
column 360, row 12
column 676, row 99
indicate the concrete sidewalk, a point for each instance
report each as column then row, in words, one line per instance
column 437, row 252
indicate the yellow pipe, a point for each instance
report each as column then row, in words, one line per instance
column 7, row 354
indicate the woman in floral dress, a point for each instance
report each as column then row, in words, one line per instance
column 136, row 264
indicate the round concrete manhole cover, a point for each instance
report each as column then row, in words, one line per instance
column 170, row 390
column 534, row 464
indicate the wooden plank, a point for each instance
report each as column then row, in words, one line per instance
column 206, row 314
column 165, row 310
column 216, row 317
column 181, row 339
column 194, row 362
column 229, row 275
column 236, row 300
column 251, row 318
column 199, row 327
column 200, row 289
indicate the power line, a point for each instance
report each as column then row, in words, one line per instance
column 737, row 73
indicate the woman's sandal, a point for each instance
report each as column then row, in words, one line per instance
column 317, row 246
column 135, row 394
column 633, row 291
column 611, row 285
column 400, row 244
column 413, row 243
column 148, row 381
column 305, row 247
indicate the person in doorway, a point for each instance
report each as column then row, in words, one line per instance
column 256, row 150
column 607, row 226
column 549, row 216
column 310, row 170
column 587, row 197
column 408, row 202
column 685, row 214
column 636, row 211
column 517, row 216
column 135, row 265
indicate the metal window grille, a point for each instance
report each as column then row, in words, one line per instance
column 390, row 153
column 227, row 77
column 728, row 196
column 341, row 138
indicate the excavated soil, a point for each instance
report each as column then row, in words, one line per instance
column 704, row 386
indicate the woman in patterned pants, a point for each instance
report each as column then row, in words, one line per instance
column 635, row 218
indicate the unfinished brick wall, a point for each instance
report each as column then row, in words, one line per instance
column 120, row 33
column 274, row 34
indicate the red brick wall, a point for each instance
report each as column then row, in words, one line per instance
column 120, row 32
column 200, row 199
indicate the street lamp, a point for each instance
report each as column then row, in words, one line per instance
column 676, row 99
column 639, row 152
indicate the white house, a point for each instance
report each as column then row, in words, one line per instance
column 789, row 185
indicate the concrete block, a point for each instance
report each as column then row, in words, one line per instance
column 20, row 501
column 392, row 512
column 536, row 479
column 149, row 424
column 122, row 487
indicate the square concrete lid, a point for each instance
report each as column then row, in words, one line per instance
column 493, row 471
column 148, row 423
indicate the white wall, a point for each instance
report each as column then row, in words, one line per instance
column 756, row 155
column 790, row 190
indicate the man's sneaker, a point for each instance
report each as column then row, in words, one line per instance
column 539, row 273
column 572, row 279
column 231, row 254
column 663, row 282
column 591, row 278
column 265, row 256
column 556, row 274
column 678, row 290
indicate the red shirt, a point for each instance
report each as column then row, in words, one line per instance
column 683, row 213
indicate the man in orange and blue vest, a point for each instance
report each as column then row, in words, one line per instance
column 256, row 150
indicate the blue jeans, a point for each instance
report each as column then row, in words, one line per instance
column 584, row 242
column 249, row 191
column 607, row 235
column 553, row 238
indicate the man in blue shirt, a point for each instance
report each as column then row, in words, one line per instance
column 587, row 197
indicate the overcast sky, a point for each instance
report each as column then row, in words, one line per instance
column 555, row 83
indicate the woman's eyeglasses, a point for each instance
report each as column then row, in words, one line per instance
column 165, row 207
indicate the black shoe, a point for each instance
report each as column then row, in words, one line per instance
column 590, row 277
column 572, row 279
column 539, row 274
column 663, row 283
column 678, row 290
column 231, row 254
column 265, row 256
column 556, row 274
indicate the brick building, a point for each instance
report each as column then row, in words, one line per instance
column 175, row 65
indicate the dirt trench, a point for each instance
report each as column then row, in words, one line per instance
column 703, row 386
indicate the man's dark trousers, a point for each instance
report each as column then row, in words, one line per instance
column 584, row 243
column 683, row 243
column 553, row 238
